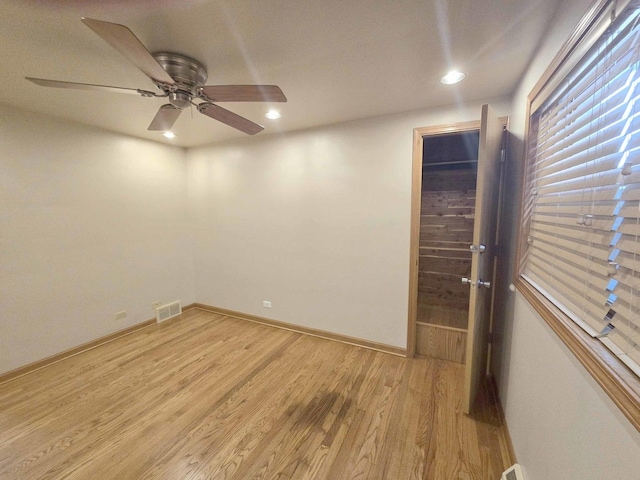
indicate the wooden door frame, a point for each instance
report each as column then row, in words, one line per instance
column 416, row 207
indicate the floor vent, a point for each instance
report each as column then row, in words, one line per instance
column 168, row 311
column 513, row 473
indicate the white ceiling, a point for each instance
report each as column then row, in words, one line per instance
column 335, row 60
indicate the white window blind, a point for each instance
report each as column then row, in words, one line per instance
column 582, row 191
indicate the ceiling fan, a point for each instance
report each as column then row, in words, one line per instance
column 180, row 79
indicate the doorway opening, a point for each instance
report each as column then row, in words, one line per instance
column 448, row 196
column 440, row 254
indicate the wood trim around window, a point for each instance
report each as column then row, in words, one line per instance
column 618, row 381
column 586, row 23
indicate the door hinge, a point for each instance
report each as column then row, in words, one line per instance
column 503, row 155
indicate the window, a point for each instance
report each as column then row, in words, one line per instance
column 580, row 237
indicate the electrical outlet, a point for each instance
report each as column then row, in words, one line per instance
column 120, row 315
column 266, row 304
column 156, row 304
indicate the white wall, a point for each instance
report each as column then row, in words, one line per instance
column 561, row 422
column 91, row 223
column 317, row 222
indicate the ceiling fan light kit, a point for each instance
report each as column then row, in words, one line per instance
column 180, row 79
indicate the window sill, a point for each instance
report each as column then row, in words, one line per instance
column 620, row 383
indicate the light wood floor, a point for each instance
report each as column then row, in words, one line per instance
column 211, row 397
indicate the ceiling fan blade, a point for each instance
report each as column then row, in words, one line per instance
column 229, row 118
column 165, row 118
column 123, row 40
column 85, row 86
column 244, row 93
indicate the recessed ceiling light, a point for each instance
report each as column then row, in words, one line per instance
column 453, row 77
column 273, row 114
column 169, row 135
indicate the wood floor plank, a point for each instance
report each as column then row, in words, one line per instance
column 213, row 397
column 409, row 419
column 250, row 407
column 247, row 446
column 193, row 410
column 293, row 429
column 117, row 420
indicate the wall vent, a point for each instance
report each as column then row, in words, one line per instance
column 513, row 473
column 168, row 311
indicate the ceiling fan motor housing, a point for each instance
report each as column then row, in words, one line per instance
column 188, row 74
